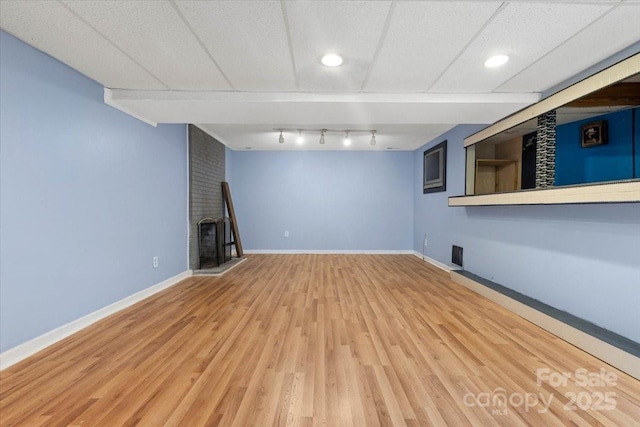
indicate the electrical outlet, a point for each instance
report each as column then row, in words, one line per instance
column 286, row 233
column 155, row 262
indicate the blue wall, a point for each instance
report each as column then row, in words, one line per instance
column 88, row 196
column 430, row 212
column 358, row 201
column 612, row 161
column 579, row 258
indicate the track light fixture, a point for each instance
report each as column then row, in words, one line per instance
column 346, row 141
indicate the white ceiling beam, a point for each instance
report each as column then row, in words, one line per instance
column 108, row 99
column 316, row 108
column 316, row 97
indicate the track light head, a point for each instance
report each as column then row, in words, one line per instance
column 322, row 136
column 299, row 139
column 281, row 139
column 347, row 140
column 373, row 137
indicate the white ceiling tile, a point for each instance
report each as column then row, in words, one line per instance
column 591, row 45
column 156, row 37
column 141, row 44
column 422, row 40
column 525, row 32
column 349, row 28
column 248, row 41
column 50, row 27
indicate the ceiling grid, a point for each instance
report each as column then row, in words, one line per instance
column 411, row 69
column 464, row 49
column 108, row 40
column 383, row 37
column 213, row 60
column 283, row 6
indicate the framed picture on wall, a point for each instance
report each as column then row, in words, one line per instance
column 435, row 169
column 594, row 134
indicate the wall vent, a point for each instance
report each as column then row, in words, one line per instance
column 456, row 255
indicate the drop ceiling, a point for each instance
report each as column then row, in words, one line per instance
column 240, row 69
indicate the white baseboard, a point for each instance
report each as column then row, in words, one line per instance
column 323, row 251
column 433, row 262
column 604, row 351
column 24, row 350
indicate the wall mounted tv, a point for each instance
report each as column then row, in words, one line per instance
column 435, row 169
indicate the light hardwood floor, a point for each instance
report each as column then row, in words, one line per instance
column 334, row 340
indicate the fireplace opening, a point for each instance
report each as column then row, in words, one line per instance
column 214, row 237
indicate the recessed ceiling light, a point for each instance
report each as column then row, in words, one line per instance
column 331, row 60
column 496, row 61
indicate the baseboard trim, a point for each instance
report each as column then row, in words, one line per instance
column 22, row 351
column 432, row 261
column 604, row 351
column 322, row 251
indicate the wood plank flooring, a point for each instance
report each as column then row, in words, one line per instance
column 311, row 340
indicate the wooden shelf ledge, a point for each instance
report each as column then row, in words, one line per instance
column 618, row 192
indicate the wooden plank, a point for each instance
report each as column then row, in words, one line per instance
column 621, row 94
column 333, row 340
column 226, row 194
column 618, row 192
column 602, row 350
